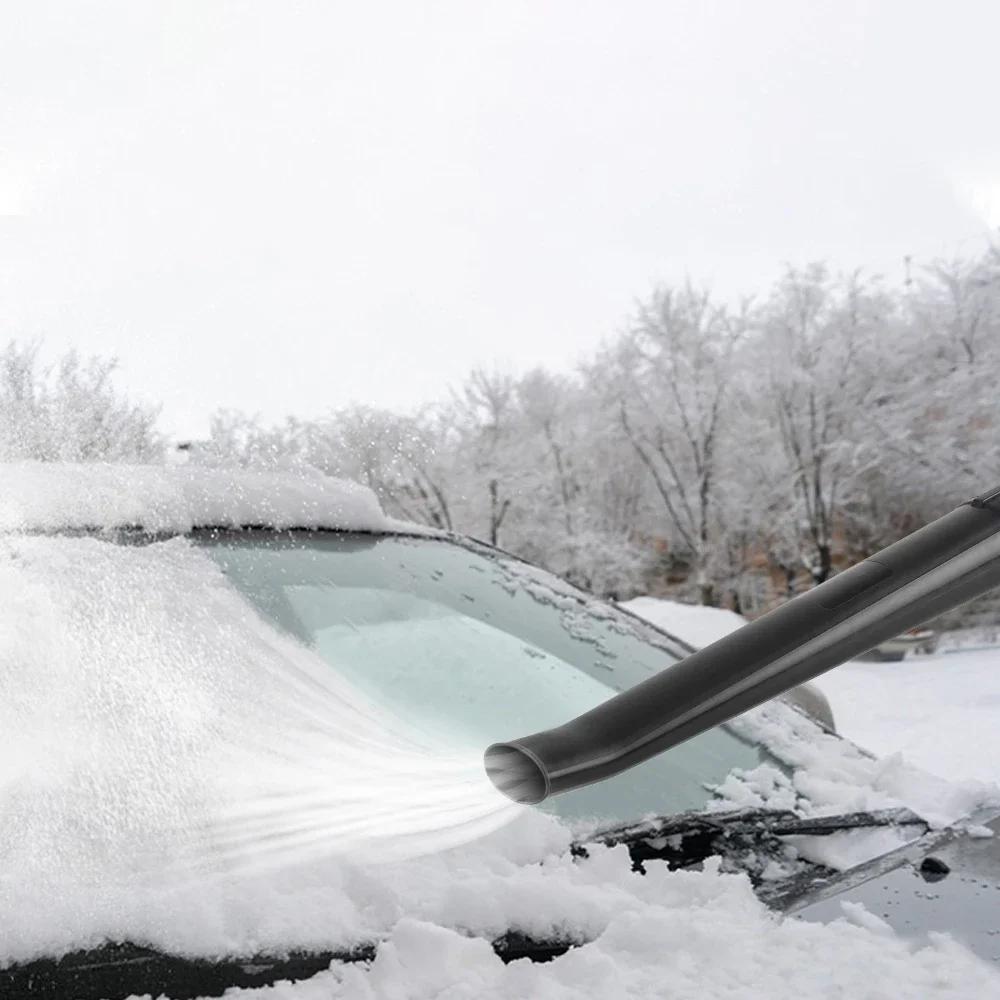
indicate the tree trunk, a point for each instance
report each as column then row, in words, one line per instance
column 706, row 591
column 822, row 572
column 497, row 512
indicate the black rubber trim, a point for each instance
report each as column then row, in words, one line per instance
column 990, row 499
column 121, row 970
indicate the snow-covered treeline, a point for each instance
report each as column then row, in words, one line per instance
column 793, row 433
column 69, row 411
column 815, row 424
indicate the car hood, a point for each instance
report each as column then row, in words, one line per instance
column 945, row 882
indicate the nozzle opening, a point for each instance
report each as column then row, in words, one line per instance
column 517, row 773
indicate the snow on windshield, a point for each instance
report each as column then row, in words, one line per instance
column 146, row 711
column 36, row 496
column 125, row 670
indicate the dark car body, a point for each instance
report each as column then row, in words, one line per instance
column 946, row 882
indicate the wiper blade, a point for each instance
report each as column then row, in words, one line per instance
column 688, row 839
column 785, row 823
column 780, row 822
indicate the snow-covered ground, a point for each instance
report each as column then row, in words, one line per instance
column 940, row 712
column 695, row 624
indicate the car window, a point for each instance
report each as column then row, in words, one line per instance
column 473, row 646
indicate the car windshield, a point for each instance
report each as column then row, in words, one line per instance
column 475, row 646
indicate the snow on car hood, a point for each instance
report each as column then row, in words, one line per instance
column 668, row 936
column 43, row 496
column 130, row 675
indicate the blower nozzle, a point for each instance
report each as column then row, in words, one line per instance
column 953, row 560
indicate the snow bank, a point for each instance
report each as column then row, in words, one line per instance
column 37, row 496
column 695, row 624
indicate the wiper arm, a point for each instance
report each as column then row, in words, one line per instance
column 787, row 823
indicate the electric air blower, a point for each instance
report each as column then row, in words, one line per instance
column 943, row 565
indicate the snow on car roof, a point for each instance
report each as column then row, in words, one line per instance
column 43, row 496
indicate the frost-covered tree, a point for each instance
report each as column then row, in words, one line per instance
column 488, row 441
column 671, row 375
column 933, row 413
column 805, row 433
column 578, row 506
column 395, row 455
column 815, row 356
column 70, row 411
column 952, row 408
column 238, row 439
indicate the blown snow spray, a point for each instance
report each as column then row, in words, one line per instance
column 953, row 560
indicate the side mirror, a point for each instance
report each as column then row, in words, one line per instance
column 814, row 703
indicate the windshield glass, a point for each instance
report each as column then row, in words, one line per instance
column 474, row 646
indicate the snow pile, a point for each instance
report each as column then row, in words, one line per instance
column 40, row 496
column 696, row 624
column 682, row 936
column 834, row 776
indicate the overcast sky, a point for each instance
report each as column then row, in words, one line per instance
column 287, row 207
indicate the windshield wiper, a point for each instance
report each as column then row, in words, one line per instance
column 748, row 840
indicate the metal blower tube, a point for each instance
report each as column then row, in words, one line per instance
column 937, row 568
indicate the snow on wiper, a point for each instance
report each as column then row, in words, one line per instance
column 747, row 840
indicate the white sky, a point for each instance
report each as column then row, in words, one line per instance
column 286, row 207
